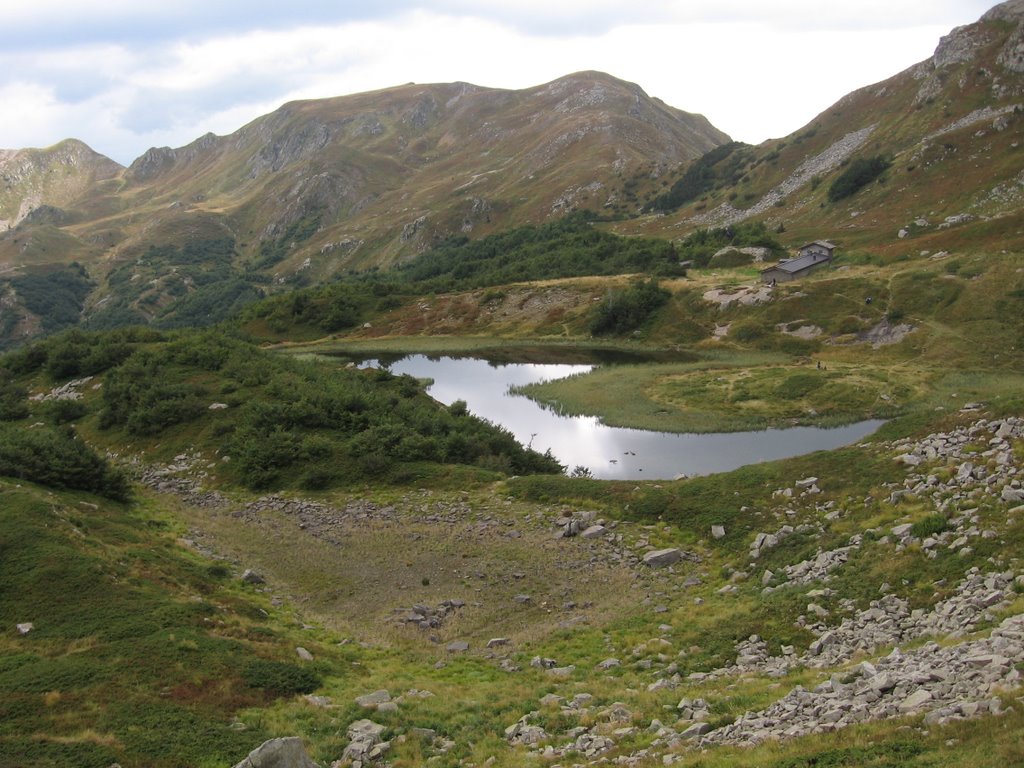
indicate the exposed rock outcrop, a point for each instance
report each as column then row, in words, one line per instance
column 286, row 752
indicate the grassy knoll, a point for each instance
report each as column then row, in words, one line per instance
column 730, row 392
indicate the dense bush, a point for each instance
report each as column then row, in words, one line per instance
column 55, row 457
column 13, row 399
column 210, row 304
column 195, row 283
column 296, row 422
column 280, row 678
column 622, row 311
column 569, row 247
column 700, row 246
column 143, row 396
column 857, row 175
column 76, row 353
column 701, row 175
column 327, row 308
column 56, row 296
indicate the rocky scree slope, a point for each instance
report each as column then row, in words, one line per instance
column 956, row 658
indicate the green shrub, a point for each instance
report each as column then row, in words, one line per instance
column 701, row 175
column 929, row 526
column 799, row 385
column 280, row 678
column 13, row 401
column 56, row 296
column 65, row 411
column 701, row 246
column 858, row 174
column 622, row 311
column 55, row 457
column 748, row 331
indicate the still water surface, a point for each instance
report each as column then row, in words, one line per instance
column 608, row 452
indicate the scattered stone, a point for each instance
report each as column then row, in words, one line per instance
column 25, row 628
column 287, row 752
column 457, row 646
column 250, row 576
column 373, row 700
column 718, row 531
column 365, row 744
column 303, row 654
column 524, row 733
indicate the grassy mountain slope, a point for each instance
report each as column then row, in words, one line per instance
column 951, row 127
column 147, row 652
column 140, row 652
column 318, row 188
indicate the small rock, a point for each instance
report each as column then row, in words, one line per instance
column 372, row 700
column 249, row 576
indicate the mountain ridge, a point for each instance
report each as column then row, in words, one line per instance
column 320, row 188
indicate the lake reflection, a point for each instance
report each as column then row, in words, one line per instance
column 608, row 452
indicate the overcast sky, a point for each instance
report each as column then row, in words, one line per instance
column 124, row 75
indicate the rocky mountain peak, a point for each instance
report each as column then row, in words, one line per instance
column 52, row 176
column 1011, row 10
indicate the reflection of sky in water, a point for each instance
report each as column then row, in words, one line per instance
column 609, row 452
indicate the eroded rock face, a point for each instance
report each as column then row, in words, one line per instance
column 287, row 752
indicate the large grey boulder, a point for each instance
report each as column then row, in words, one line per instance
column 660, row 558
column 286, row 752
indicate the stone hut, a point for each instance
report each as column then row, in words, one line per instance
column 809, row 258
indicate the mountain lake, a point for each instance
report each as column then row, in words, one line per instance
column 610, row 453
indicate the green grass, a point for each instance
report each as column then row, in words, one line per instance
column 732, row 392
column 137, row 653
